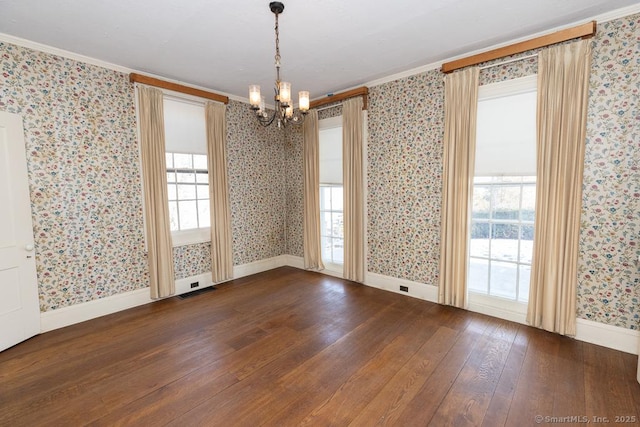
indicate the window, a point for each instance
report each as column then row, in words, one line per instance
column 331, row 223
column 501, row 238
column 187, row 174
column 331, row 215
column 188, row 187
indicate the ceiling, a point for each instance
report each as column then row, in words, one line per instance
column 326, row 45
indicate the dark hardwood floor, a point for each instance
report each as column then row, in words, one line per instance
column 289, row 347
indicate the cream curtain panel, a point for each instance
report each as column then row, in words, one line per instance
column 156, row 200
column 221, row 249
column 353, row 178
column 563, row 89
column 460, row 111
column 311, row 208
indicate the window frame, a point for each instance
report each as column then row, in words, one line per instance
column 490, row 221
column 332, row 211
column 183, row 237
column 499, row 306
column 331, row 123
column 191, row 235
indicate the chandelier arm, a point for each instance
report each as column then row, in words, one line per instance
column 298, row 117
column 266, row 121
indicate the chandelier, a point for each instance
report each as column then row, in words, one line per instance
column 284, row 111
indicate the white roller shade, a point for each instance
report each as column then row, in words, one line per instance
column 506, row 132
column 184, row 127
column 331, row 156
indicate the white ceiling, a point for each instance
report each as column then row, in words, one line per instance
column 326, row 45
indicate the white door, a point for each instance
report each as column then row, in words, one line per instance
column 19, row 308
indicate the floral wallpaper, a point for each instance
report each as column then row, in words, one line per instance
column 406, row 128
column 256, row 161
column 404, row 181
column 294, row 168
column 608, row 270
column 257, row 182
column 330, row 111
column 84, row 177
column 512, row 70
column 80, row 133
column 191, row 260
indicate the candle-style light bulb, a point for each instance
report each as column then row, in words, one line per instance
column 303, row 101
column 254, row 96
column 285, row 93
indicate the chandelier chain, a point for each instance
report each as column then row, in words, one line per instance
column 277, row 57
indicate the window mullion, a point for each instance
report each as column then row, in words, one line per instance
column 489, row 250
column 519, row 242
column 195, row 189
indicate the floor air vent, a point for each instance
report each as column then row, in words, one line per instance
column 196, row 292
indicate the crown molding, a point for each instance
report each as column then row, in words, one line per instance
column 408, row 73
column 63, row 53
column 604, row 17
column 618, row 13
column 6, row 38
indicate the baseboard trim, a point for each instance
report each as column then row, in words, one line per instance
column 55, row 319
column 298, row 262
column 183, row 286
column 379, row 281
column 294, row 261
column 415, row 289
column 614, row 337
column 259, row 266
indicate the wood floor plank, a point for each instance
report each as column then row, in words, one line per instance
column 498, row 409
column 608, row 392
column 292, row 347
column 429, row 373
column 569, row 385
column 534, row 394
column 630, row 367
column 307, row 382
column 131, row 377
column 163, row 405
column 470, row 395
column 424, row 405
column 178, row 397
column 365, row 383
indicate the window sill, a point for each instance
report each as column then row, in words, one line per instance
column 191, row 237
column 502, row 308
column 332, row 269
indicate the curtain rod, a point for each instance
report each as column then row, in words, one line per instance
column 328, row 107
column 337, row 97
column 163, row 84
column 586, row 30
column 508, row 61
